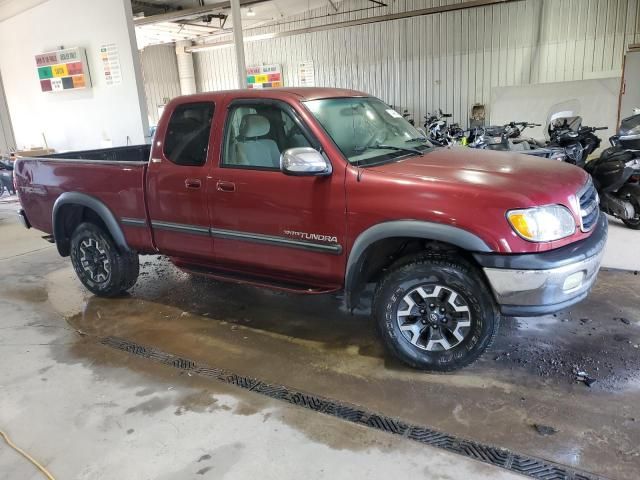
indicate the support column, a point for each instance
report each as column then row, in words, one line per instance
column 238, row 41
column 186, row 73
column 7, row 140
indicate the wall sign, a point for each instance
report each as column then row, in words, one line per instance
column 111, row 64
column 306, row 74
column 265, row 76
column 63, row 70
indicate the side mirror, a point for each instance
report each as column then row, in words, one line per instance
column 304, row 161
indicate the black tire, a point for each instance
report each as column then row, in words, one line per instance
column 100, row 266
column 632, row 193
column 430, row 270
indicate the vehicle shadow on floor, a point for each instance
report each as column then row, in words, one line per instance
column 600, row 336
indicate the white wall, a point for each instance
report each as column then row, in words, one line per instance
column 449, row 60
column 73, row 120
column 597, row 101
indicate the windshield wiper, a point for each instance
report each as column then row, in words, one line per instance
column 382, row 146
column 417, row 139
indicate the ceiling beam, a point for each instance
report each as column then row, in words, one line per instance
column 190, row 12
column 361, row 21
column 140, row 5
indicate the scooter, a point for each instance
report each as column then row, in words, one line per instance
column 616, row 174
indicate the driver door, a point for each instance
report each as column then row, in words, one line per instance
column 263, row 221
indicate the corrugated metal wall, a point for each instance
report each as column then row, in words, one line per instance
column 161, row 82
column 448, row 60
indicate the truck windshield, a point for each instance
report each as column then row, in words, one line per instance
column 366, row 130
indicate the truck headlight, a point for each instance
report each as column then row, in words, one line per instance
column 542, row 224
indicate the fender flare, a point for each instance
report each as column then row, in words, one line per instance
column 92, row 203
column 405, row 228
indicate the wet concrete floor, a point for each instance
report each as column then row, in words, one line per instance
column 310, row 343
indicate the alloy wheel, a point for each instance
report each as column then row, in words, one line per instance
column 434, row 317
column 95, row 260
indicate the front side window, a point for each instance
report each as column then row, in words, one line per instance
column 257, row 134
column 367, row 130
column 187, row 138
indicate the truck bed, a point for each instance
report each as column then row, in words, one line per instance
column 115, row 176
column 133, row 153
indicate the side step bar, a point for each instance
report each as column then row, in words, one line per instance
column 256, row 280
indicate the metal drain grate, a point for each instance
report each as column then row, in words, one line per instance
column 499, row 457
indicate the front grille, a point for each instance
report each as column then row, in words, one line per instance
column 589, row 206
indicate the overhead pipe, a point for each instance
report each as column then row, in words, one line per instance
column 361, row 21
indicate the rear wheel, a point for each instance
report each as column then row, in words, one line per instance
column 100, row 266
column 435, row 312
column 631, row 193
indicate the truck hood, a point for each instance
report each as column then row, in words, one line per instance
column 525, row 179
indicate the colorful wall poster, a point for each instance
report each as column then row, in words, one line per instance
column 63, row 70
column 264, row 76
column 306, row 74
column 111, row 64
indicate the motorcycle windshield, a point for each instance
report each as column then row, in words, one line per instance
column 630, row 126
column 563, row 115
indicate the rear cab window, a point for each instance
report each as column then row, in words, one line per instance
column 187, row 138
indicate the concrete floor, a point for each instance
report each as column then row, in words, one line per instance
column 87, row 411
column 621, row 240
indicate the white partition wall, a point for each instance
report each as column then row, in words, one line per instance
column 111, row 112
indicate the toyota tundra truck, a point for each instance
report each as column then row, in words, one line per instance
column 319, row 190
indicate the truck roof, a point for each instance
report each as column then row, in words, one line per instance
column 302, row 93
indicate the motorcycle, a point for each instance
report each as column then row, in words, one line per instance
column 6, row 177
column 564, row 129
column 509, row 138
column 439, row 132
column 408, row 117
column 616, row 174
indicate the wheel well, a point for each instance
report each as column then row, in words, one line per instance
column 387, row 252
column 67, row 220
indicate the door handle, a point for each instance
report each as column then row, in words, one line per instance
column 192, row 183
column 225, row 186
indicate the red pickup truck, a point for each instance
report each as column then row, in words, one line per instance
column 320, row 190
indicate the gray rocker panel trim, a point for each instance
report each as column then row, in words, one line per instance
column 180, row 227
column 133, row 222
column 84, row 200
column 410, row 228
column 332, row 248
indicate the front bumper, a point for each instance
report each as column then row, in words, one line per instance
column 541, row 283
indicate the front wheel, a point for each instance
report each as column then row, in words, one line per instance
column 435, row 312
column 100, row 266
